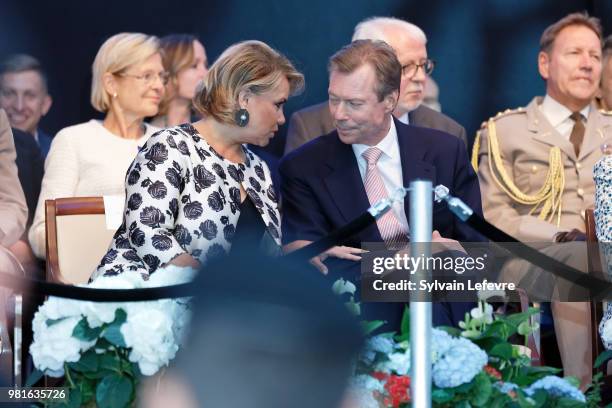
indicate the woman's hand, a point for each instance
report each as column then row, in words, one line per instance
column 342, row 252
column 185, row 260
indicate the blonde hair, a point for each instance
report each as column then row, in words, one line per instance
column 117, row 54
column 177, row 54
column 246, row 66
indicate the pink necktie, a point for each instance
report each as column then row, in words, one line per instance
column 388, row 225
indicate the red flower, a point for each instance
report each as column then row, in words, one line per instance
column 398, row 387
column 492, row 371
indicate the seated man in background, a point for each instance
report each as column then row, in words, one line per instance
column 409, row 43
column 537, row 181
column 24, row 96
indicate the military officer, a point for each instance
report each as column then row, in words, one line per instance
column 535, row 163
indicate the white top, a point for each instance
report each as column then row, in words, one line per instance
column 84, row 160
column 559, row 116
column 389, row 166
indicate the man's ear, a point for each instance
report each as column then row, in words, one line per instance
column 544, row 64
column 390, row 101
column 47, row 102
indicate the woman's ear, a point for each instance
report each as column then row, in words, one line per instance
column 110, row 83
column 243, row 98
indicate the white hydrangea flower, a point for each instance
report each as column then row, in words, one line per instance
column 399, row 363
column 54, row 345
column 148, row 331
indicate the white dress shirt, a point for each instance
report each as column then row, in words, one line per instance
column 389, row 166
column 559, row 116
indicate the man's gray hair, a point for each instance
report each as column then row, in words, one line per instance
column 373, row 28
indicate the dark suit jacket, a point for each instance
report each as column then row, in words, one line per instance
column 30, row 167
column 322, row 190
column 44, row 141
column 314, row 121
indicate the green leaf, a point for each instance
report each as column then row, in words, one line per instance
column 51, row 322
column 74, row 398
column 83, row 332
column 87, row 363
column 501, row 350
column 405, row 325
column 603, row 357
column 114, row 391
column 112, row 333
column 453, row 331
column 482, row 390
column 34, row 377
column 442, row 395
column 88, row 390
column 110, row 361
column 565, row 402
column 369, row 327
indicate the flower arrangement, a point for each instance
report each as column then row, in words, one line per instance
column 103, row 349
column 473, row 366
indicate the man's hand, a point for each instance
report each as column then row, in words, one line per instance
column 342, row 252
column 569, row 236
column 447, row 243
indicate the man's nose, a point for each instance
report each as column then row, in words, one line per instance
column 419, row 75
column 339, row 111
column 19, row 102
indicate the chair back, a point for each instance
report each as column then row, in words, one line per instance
column 76, row 237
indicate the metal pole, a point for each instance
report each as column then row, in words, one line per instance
column 421, row 198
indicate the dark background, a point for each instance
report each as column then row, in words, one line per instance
column 485, row 49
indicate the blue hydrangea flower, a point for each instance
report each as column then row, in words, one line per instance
column 380, row 344
column 441, row 341
column 505, row 387
column 459, row 364
column 556, row 386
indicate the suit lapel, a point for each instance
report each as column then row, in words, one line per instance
column 344, row 183
column 412, row 155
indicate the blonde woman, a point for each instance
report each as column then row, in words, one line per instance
column 184, row 57
column 196, row 191
column 91, row 158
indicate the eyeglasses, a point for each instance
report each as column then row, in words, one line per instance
column 410, row 70
column 148, row 78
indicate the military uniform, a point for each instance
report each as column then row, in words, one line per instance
column 546, row 189
column 525, row 141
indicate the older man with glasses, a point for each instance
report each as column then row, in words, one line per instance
column 409, row 43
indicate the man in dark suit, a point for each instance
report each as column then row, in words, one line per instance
column 409, row 43
column 24, row 96
column 331, row 180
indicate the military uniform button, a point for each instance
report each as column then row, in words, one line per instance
column 580, row 191
column 534, row 168
column 578, row 165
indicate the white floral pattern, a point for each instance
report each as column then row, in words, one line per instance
column 183, row 197
column 602, row 173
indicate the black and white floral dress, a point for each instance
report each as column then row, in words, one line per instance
column 183, row 197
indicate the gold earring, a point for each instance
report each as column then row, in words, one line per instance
column 114, row 95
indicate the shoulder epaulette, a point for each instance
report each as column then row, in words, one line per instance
column 503, row 114
column 605, row 112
